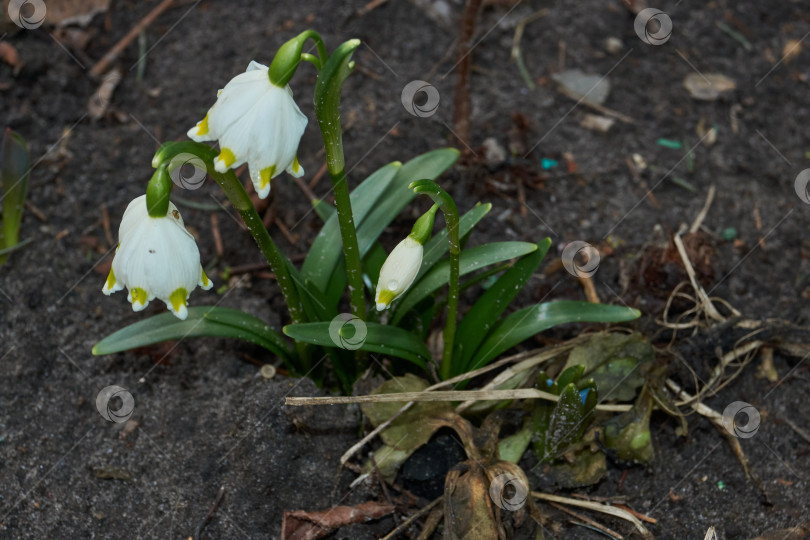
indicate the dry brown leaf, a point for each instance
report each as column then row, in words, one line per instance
column 468, row 509
column 791, row 50
column 79, row 12
column 302, row 525
column 100, row 100
column 708, row 86
column 8, row 54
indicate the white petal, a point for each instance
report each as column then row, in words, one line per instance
column 399, row 270
column 254, row 65
column 236, row 101
column 156, row 255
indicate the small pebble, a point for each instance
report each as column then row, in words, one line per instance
column 268, row 371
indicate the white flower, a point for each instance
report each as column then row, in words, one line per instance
column 398, row 271
column 156, row 258
column 256, row 122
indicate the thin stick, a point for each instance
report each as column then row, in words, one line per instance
column 422, row 511
column 587, row 520
column 589, row 289
column 705, row 302
column 220, row 250
column 604, row 508
column 461, row 95
column 209, row 515
column 543, row 356
column 105, row 221
column 719, row 423
column 305, row 189
column 804, row 435
column 517, row 53
column 702, row 214
column 374, row 4
column 639, row 515
column 318, row 175
column 450, row 395
column 102, row 65
column 598, row 108
column 464, row 376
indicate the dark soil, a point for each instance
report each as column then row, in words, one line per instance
column 207, row 419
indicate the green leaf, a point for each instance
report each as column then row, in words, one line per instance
column 437, row 246
column 313, row 300
column 349, row 334
column 202, row 321
column 527, row 322
column 408, row 431
column 629, row 433
column 327, row 249
column 372, row 263
column 323, row 209
column 567, row 422
column 471, row 260
column 490, row 306
column 428, row 165
column 512, row 448
column 14, row 174
column 614, row 361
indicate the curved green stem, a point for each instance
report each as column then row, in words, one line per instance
column 240, row 200
column 312, row 59
column 448, row 207
column 327, row 109
column 286, row 60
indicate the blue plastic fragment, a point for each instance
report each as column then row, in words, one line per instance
column 548, row 163
column 583, row 394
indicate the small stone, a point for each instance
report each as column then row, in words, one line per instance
column 614, row 45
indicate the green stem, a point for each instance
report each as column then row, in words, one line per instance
column 240, row 200
column 351, row 249
column 327, row 109
column 448, row 207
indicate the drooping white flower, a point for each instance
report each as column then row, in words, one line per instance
column 156, row 258
column 398, row 271
column 255, row 122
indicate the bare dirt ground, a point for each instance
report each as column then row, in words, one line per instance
column 207, row 419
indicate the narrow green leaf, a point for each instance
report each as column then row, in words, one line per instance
column 513, row 447
column 428, row 165
column 202, row 321
column 436, row 247
column 327, row 248
column 386, row 207
column 471, row 260
column 372, row 263
column 368, row 336
column 323, row 209
column 567, row 422
column 14, row 174
column 525, row 323
column 314, row 302
column 490, row 306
